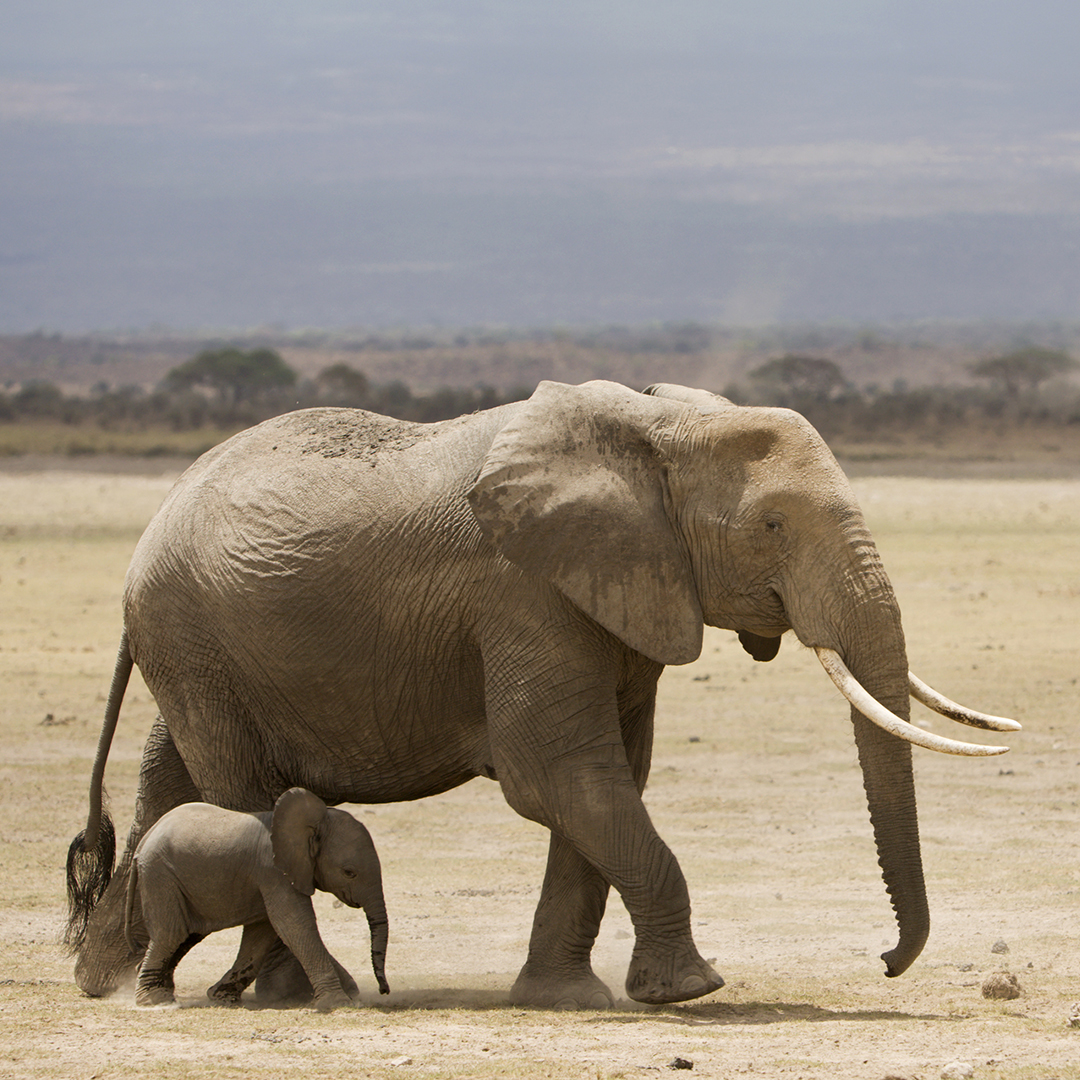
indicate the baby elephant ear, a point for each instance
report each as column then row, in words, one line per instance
column 574, row 490
column 294, row 836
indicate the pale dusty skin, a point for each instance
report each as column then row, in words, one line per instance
column 381, row 611
column 760, row 800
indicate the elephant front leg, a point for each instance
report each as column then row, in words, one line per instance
column 293, row 917
column 665, row 966
column 590, row 801
column 558, row 973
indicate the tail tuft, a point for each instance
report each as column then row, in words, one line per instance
column 88, row 874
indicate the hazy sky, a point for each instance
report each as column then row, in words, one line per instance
column 374, row 162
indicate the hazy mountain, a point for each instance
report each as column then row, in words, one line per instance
column 373, row 162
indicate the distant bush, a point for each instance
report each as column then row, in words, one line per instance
column 1025, row 369
column 1025, row 387
column 225, row 388
column 235, row 375
column 231, row 389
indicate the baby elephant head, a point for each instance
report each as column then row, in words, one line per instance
column 320, row 847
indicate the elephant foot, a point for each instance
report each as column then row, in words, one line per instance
column 225, row 993
column 336, row 999
column 154, row 995
column 664, row 978
column 547, row 991
column 282, row 981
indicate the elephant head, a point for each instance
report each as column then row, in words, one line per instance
column 320, row 847
column 658, row 513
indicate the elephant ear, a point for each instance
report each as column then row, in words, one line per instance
column 573, row 490
column 702, row 400
column 294, row 836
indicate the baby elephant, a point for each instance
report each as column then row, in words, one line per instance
column 201, row 868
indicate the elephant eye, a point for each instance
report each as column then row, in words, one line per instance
column 774, row 525
column 349, row 873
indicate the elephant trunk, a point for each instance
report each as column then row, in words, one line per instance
column 379, row 927
column 890, row 794
column 875, row 653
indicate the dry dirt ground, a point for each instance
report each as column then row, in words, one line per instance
column 754, row 785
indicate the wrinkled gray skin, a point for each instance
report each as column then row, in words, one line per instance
column 201, row 868
column 379, row 611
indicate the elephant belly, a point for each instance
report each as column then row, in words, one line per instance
column 314, row 623
column 387, row 756
column 245, row 739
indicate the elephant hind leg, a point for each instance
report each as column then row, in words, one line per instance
column 282, row 979
column 256, row 943
column 155, row 985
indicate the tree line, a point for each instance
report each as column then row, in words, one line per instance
column 1025, row 386
column 234, row 387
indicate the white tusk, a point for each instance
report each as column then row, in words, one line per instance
column 876, row 713
column 941, row 704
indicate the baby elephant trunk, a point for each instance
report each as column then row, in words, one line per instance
column 380, row 934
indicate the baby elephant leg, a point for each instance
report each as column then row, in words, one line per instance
column 155, row 985
column 282, row 981
column 255, row 944
column 293, row 916
column 348, row 983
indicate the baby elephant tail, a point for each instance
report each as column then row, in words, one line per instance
column 129, row 906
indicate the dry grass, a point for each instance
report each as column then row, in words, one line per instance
column 754, row 785
column 88, row 440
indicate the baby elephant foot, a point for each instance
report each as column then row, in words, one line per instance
column 154, row 995
column 333, row 999
column 547, row 991
column 226, row 993
column 663, row 978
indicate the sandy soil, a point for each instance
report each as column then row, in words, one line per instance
column 754, row 786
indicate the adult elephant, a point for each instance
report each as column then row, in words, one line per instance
column 377, row 611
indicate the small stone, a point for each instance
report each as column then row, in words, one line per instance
column 999, row 946
column 680, row 1063
column 1002, row 985
column 958, row 1070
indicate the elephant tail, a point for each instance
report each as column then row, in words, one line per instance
column 91, row 854
column 88, row 874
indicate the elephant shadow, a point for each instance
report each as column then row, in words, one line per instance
column 707, row 1014
column 717, row 1013
column 752, row 1013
